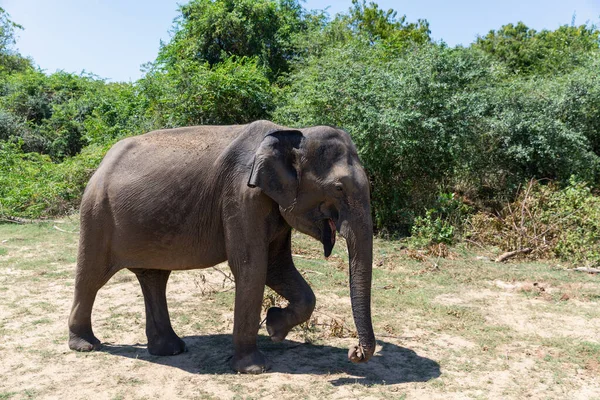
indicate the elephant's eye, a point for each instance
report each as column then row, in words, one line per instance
column 339, row 187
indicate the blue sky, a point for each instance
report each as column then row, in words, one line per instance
column 113, row 38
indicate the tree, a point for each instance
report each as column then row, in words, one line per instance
column 376, row 24
column 10, row 59
column 525, row 51
column 213, row 30
column 412, row 116
column 234, row 91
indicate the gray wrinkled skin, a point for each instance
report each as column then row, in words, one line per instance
column 193, row 197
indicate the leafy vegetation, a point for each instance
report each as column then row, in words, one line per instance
column 551, row 221
column 212, row 31
column 235, row 90
column 473, row 123
column 525, row 51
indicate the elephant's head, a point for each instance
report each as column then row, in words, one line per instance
column 316, row 178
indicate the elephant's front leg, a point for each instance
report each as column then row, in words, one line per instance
column 284, row 278
column 249, row 270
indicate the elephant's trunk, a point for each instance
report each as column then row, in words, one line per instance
column 359, row 237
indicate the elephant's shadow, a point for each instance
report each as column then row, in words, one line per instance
column 211, row 354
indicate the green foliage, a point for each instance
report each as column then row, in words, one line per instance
column 7, row 31
column 431, row 230
column 10, row 61
column 10, row 125
column 475, row 122
column 234, row 91
column 441, row 224
column 119, row 111
column 212, row 31
column 550, row 220
column 47, row 112
column 377, row 24
column 527, row 134
column 578, row 105
column 576, row 213
column 408, row 113
column 32, row 186
column 367, row 22
column 526, row 51
column 437, row 118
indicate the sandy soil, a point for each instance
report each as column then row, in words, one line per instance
column 36, row 360
column 410, row 363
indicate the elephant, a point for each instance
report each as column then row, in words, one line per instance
column 193, row 197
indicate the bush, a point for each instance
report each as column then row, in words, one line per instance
column 525, row 51
column 10, row 125
column 442, row 224
column 434, row 119
column 119, row 111
column 413, row 116
column 48, row 111
column 552, row 221
column 235, row 91
column 32, row 186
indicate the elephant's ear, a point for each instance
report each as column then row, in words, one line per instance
column 275, row 167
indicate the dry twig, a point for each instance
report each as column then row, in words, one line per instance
column 62, row 230
column 510, row 254
column 588, row 270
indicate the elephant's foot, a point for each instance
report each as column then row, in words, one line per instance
column 278, row 324
column 84, row 342
column 253, row 363
column 169, row 346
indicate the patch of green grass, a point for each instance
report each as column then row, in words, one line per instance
column 128, row 380
column 30, row 394
column 42, row 321
column 582, row 353
column 44, row 305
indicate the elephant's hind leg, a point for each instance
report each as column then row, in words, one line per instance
column 284, row 278
column 162, row 339
column 87, row 283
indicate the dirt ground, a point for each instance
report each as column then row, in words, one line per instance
column 470, row 331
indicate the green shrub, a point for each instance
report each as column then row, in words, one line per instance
column 442, row 224
column 47, row 113
column 431, row 230
column 434, row 119
column 119, row 111
column 576, row 211
column 235, row 91
column 415, row 117
column 33, row 186
column 525, row 51
column 552, row 221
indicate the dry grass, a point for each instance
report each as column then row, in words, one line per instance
column 449, row 323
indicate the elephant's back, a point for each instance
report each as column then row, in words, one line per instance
column 160, row 156
column 203, row 143
column 199, row 140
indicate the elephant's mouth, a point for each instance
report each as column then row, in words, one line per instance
column 328, row 236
